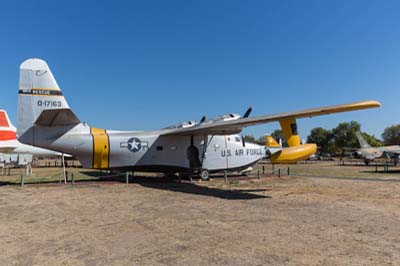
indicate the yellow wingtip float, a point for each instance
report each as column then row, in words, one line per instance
column 294, row 154
column 297, row 151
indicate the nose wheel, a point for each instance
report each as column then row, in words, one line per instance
column 204, row 174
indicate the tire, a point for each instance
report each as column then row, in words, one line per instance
column 204, row 174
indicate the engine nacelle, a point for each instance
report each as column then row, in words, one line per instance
column 228, row 117
column 294, row 154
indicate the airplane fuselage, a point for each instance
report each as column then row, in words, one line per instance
column 148, row 150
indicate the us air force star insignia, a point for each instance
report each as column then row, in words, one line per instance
column 134, row 144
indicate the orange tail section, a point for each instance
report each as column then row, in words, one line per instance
column 7, row 130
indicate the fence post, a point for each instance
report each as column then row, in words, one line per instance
column 226, row 176
column 288, row 171
column 258, row 174
column 279, row 172
column 127, row 177
column 22, row 180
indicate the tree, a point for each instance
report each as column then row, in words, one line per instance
column 321, row 137
column 391, row 135
column 372, row 140
column 344, row 135
column 249, row 138
column 278, row 135
column 261, row 140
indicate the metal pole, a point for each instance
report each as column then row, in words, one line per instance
column 127, row 177
column 279, row 172
column 258, row 174
column 263, row 169
column 22, row 180
column 72, row 178
column 226, row 176
column 288, row 171
column 63, row 164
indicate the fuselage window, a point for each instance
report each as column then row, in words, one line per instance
column 160, row 148
column 173, row 148
column 237, row 139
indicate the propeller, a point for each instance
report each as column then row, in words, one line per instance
column 248, row 112
column 203, row 119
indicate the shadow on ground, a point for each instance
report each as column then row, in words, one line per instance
column 161, row 183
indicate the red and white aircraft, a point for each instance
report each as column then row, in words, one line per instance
column 10, row 145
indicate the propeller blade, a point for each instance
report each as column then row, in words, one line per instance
column 203, row 119
column 248, row 112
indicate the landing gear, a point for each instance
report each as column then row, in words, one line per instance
column 204, row 174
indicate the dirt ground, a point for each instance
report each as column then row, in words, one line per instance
column 346, row 216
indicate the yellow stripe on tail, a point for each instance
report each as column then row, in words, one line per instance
column 101, row 148
column 271, row 142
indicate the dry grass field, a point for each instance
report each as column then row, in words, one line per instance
column 323, row 214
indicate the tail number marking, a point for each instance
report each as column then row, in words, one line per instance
column 41, row 103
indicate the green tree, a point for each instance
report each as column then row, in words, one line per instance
column 261, row 140
column 344, row 135
column 391, row 135
column 278, row 135
column 321, row 137
column 372, row 140
column 249, row 138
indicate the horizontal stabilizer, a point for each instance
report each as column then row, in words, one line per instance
column 8, row 146
column 57, row 117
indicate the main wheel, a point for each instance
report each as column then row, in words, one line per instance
column 204, row 174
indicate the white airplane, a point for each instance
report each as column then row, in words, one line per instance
column 45, row 120
column 369, row 153
column 10, row 145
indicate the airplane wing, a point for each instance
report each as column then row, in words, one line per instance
column 389, row 149
column 235, row 126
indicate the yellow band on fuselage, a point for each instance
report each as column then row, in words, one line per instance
column 101, row 148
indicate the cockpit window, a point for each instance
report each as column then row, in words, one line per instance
column 237, row 139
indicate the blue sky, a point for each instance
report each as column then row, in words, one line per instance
column 142, row 65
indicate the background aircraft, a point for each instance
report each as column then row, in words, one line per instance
column 45, row 120
column 10, row 145
column 369, row 153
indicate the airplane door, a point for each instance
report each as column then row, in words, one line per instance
column 194, row 153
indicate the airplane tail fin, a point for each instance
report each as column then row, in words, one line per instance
column 7, row 130
column 40, row 100
column 362, row 141
column 271, row 142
